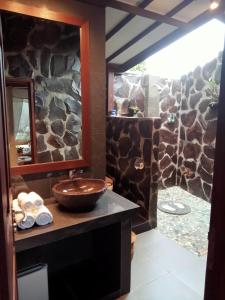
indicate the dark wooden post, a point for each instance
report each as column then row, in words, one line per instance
column 215, row 272
column 110, row 91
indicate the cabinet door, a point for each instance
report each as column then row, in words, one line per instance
column 7, row 253
column 215, row 272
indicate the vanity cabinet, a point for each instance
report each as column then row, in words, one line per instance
column 88, row 254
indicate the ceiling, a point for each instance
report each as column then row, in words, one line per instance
column 137, row 29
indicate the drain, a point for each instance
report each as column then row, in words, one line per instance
column 174, row 207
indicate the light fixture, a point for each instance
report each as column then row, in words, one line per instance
column 214, row 4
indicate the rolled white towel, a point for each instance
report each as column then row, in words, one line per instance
column 23, row 223
column 36, row 200
column 43, row 216
column 17, row 208
column 25, row 203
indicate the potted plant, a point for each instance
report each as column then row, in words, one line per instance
column 213, row 93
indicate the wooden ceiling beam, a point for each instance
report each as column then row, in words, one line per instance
column 138, row 11
column 153, row 26
column 172, row 37
column 113, row 68
column 126, row 20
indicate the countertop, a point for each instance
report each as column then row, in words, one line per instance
column 110, row 208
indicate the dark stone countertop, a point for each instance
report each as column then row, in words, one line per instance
column 110, row 208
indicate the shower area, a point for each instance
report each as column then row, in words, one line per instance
column 176, row 143
column 188, row 111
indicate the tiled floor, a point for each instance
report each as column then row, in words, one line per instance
column 162, row 270
column 191, row 230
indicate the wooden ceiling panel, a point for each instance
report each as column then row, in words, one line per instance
column 131, row 2
column 163, row 7
column 133, row 28
column 113, row 17
column 192, row 10
column 165, row 21
column 151, row 38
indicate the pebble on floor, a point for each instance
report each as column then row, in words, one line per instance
column 190, row 230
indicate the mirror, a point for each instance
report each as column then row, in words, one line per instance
column 46, row 69
column 20, row 113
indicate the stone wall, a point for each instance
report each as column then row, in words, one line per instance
column 186, row 150
column 130, row 91
column 198, row 121
column 129, row 140
column 187, row 145
column 170, row 97
column 48, row 53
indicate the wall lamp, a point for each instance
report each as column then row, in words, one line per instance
column 214, row 4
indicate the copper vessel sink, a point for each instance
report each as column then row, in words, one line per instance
column 80, row 193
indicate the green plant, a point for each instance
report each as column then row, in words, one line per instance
column 213, row 90
column 133, row 110
column 141, row 67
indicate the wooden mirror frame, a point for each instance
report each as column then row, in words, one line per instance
column 44, row 13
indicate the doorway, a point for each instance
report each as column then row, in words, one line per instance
column 188, row 110
column 188, row 107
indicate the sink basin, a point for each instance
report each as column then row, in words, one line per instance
column 79, row 193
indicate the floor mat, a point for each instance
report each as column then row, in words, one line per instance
column 190, row 230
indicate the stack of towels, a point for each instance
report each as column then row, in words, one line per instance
column 34, row 209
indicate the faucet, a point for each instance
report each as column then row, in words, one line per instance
column 171, row 118
column 74, row 174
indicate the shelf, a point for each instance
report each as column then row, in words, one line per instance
column 110, row 208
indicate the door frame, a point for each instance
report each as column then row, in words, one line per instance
column 8, row 290
column 215, row 271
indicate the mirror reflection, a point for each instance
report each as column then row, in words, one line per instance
column 45, row 123
column 19, row 126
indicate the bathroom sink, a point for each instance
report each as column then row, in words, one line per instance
column 79, row 193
